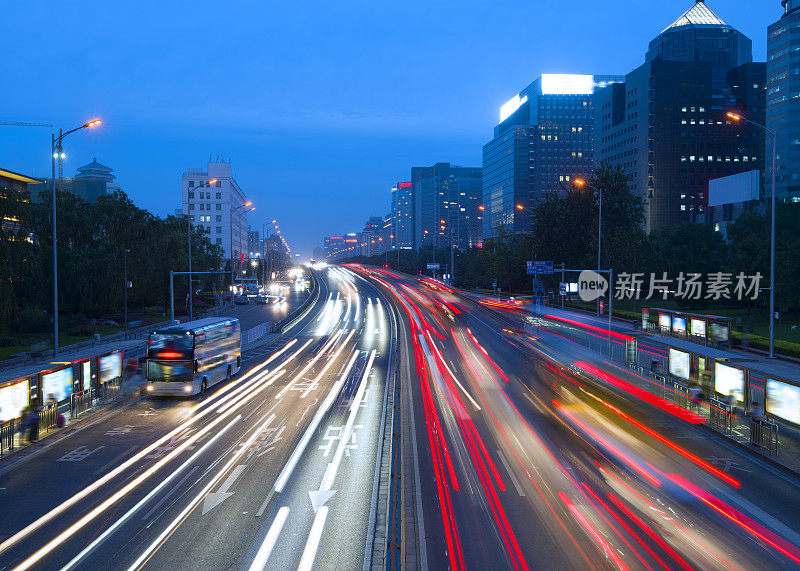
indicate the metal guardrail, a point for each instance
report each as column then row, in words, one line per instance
column 720, row 415
column 7, row 431
column 48, row 416
column 80, row 402
column 764, row 434
column 109, row 391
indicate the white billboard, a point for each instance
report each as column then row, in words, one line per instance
column 742, row 187
column 729, row 380
column 567, row 84
column 783, row 400
column 679, row 363
column 13, row 399
column 57, row 386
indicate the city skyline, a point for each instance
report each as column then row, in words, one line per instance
column 364, row 125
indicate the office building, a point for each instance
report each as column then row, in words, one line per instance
column 403, row 215
column 446, row 205
column 783, row 99
column 543, row 141
column 218, row 209
column 253, row 242
column 666, row 125
column 14, row 186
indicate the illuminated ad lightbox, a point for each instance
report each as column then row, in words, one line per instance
column 729, row 380
column 783, row 400
column 679, row 363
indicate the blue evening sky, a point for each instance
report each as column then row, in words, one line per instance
column 321, row 106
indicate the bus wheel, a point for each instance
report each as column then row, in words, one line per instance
column 204, row 385
column 228, row 376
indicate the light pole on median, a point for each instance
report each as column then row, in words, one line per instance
column 266, row 249
column 737, row 118
column 189, row 236
column 57, row 152
column 581, row 183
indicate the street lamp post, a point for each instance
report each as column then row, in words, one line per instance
column 736, row 117
column 264, row 228
column 57, row 152
column 580, row 182
column 125, row 253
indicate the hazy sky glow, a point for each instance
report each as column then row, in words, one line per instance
column 320, row 106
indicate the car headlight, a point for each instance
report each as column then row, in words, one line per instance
column 149, row 387
column 187, row 389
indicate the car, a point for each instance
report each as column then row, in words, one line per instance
column 241, row 300
column 262, row 299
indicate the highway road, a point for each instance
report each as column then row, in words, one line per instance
column 519, row 463
column 274, row 469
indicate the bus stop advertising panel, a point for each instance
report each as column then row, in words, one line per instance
column 783, row 400
column 729, row 380
column 57, row 385
column 13, row 399
column 679, row 363
column 110, row 366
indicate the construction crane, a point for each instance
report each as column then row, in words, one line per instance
column 19, row 124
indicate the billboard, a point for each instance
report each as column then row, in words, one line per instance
column 742, row 187
column 729, row 380
column 57, row 386
column 13, row 399
column 678, row 324
column 645, row 318
column 665, row 321
column 698, row 327
column 783, row 400
column 679, row 363
column 433, row 265
column 719, row 331
column 110, row 366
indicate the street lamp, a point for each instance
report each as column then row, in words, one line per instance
column 189, row 236
column 736, row 117
column 581, row 183
column 57, row 152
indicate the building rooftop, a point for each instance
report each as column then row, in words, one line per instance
column 697, row 15
column 95, row 170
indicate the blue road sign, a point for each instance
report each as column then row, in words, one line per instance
column 539, row 268
column 433, row 266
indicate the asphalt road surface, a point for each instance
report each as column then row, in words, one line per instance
column 274, row 469
column 520, row 463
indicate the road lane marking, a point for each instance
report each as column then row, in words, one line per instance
column 312, row 544
column 169, row 493
column 327, row 366
column 312, row 427
column 511, row 474
column 145, row 556
column 270, row 540
column 79, row 454
column 213, row 499
column 92, row 546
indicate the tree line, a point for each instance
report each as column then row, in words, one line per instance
column 564, row 229
column 92, row 238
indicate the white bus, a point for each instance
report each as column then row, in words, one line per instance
column 188, row 358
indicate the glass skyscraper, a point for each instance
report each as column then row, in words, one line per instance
column 666, row 126
column 543, row 141
column 783, row 98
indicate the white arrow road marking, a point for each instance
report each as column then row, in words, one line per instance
column 213, row 499
column 319, row 497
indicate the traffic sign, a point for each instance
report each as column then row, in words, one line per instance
column 433, row 265
column 539, row 267
column 562, row 289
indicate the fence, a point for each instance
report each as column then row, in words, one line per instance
column 764, row 434
column 47, row 416
column 7, row 431
column 109, row 391
column 80, row 402
column 720, row 415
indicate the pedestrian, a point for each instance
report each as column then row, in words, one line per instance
column 695, row 394
column 25, row 420
column 33, row 425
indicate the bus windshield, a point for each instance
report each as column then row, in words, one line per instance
column 170, row 345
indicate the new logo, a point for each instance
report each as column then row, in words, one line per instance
column 591, row 285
